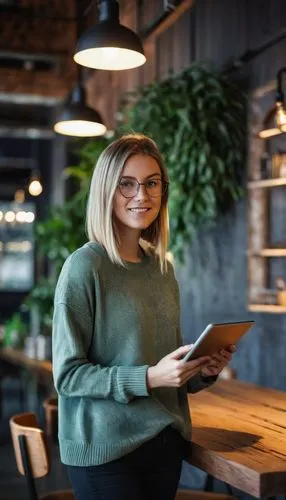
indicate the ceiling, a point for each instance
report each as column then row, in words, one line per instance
column 37, row 40
column 37, row 71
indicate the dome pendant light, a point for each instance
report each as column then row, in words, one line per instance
column 109, row 45
column 78, row 120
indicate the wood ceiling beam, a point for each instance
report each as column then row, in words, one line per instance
column 171, row 19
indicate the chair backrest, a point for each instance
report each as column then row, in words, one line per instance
column 51, row 403
column 26, row 424
column 51, row 417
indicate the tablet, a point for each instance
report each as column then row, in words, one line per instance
column 218, row 336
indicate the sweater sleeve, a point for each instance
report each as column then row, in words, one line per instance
column 73, row 330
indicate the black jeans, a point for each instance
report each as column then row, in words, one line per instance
column 151, row 472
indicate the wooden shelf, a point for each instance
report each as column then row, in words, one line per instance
column 267, row 308
column 268, row 252
column 267, row 183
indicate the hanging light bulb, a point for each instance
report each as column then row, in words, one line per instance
column 77, row 119
column 109, row 45
column 280, row 115
column 275, row 120
column 280, row 107
column 35, row 187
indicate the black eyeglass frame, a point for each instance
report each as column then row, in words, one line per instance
column 165, row 186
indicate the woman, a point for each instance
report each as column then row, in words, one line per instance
column 124, row 423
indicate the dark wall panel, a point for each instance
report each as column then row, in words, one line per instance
column 214, row 279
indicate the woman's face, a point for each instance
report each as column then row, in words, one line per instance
column 139, row 211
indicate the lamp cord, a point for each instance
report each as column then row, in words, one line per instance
column 89, row 7
column 280, row 93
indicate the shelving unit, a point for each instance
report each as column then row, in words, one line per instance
column 267, row 308
column 269, row 252
column 260, row 250
column 267, row 183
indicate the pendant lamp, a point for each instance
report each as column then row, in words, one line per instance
column 35, row 186
column 77, row 119
column 275, row 120
column 109, row 45
column 269, row 128
column 280, row 105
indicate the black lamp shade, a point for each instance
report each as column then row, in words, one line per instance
column 77, row 119
column 109, row 45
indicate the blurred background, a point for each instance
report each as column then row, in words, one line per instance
column 211, row 94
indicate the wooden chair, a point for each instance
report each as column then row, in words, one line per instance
column 32, row 455
column 201, row 495
column 51, row 417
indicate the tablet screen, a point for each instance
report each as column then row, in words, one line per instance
column 218, row 336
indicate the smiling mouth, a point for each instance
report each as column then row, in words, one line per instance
column 139, row 210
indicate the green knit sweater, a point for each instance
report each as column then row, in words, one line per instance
column 110, row 324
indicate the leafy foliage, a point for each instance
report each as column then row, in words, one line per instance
column 197, row 118
column 63, row 231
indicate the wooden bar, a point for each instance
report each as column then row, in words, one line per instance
column 19, row 358
column 41, row 370
column 267, row 308
column 239, row 436
column 171, row 19
column 270, row 252
column 267, row 183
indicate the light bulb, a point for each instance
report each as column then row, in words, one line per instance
column 35, row 187
column 10, row 216
column 29, row 217
column 79, row 128
column 110, row 58
column 280, row 115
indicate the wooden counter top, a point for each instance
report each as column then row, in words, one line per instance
column 239, row 436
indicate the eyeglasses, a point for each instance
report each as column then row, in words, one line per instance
column 129, row 187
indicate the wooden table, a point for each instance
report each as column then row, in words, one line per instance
column 19, row 358
column 239, row 436
column 41, row 370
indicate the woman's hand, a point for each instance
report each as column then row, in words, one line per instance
column 172, row 371
column 218, row 361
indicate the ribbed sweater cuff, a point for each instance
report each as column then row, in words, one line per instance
column 133, row 380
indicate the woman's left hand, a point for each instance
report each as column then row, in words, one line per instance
column 219, row 360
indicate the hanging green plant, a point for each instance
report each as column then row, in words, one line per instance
column 197, row 118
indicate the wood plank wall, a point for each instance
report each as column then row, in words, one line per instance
column 165, row 54
column 212, row 30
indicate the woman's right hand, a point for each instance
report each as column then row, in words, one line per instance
column 172, row 371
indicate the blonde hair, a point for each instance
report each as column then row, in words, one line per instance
column 104, row 182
